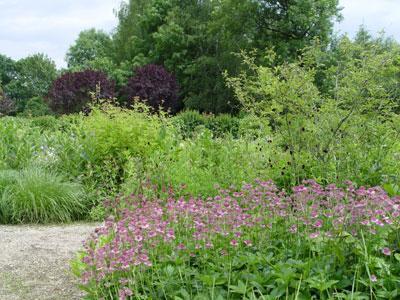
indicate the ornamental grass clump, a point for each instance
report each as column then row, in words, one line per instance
column 256, row 243
column 34, row 195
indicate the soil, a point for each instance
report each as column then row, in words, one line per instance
column 35, row 261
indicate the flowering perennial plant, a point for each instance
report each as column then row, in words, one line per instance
column 256, row 243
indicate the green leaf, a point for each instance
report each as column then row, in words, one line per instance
column 241, row 288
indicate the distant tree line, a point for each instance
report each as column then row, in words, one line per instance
column 187, row 45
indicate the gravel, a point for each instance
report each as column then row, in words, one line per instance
column 35, row 261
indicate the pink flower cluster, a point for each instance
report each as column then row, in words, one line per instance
column 336, row 209
column 139, row 226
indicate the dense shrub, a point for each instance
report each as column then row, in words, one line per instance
column 73, row 91
column 201, row 162
column 36, row 107
column 255, row 243
column 223, row 124
column 111, row 136
column 219, row 125
column 252, row 127
column 154, row 85
column 34, row 195
column 188, row 121
column 18, row 142
column 324, row 136
column 45, row 123
column 115, row 148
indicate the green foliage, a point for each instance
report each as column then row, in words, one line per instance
column 7, row 69
column 220, row 125
column 36, row 107
column 196, row 40
column 380, row 56
column 92, row 50
column 254, row 128
column 37, row 196
column 188, row 121
column 45, row 122
column 33, row 78
column 16, row 143
column 197, row 164
column 110, row 136
column 325, row 137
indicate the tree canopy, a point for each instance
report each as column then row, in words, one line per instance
column 33, row 78
column 196, row 40
column 89, row 49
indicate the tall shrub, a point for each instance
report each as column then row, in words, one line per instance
column 71, row 92
column 155, row 85
column 321, row 133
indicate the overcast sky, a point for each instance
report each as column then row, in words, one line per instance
column 50, row 26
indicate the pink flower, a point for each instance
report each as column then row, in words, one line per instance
column 374, row 220
column 314, row 235
column 373, row 278
column 152, row 234
column 386, row 251
column 181, row 246
column 248, row 243
column 388, row 221
column 170, row 234
column 209, row 245
column 238, row 234
column 293, row 228
column 234, row 243
column 318, row 224
column 128, row 292
column 124, row 293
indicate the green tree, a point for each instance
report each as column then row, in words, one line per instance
column 33, row 78
column 94, row 49
column 7, row 69
column 345, row 54
column 196, row 40
column 90, row 48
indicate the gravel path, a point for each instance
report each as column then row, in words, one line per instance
column 34, row 261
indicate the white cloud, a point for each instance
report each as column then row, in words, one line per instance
column 50, row 26
column 375, row 15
